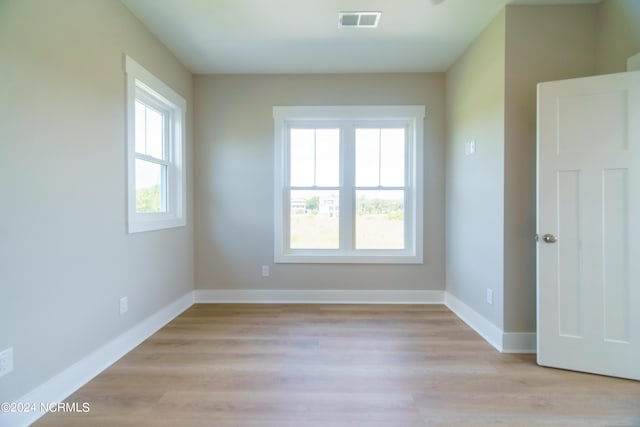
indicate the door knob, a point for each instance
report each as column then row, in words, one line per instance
column 549, row 238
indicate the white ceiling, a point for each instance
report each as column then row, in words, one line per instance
column 302, row 36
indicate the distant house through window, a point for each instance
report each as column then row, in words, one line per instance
column 348, row 184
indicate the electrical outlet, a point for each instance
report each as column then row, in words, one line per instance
column 265, row 271
column 6, row 361
column 489, row 296
column 124, row 305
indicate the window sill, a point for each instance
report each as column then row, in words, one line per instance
column 368, row 258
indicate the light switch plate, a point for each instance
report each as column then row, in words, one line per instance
column 470, row 147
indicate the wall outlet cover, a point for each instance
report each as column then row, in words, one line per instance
column 489, row 296
column 6, row 361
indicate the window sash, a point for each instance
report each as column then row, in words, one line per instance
column 321, row 144
column 376, row 165
column 347, row 188
column 163, row 190
column 384, row 221
column 165, row 162
column 168, row 117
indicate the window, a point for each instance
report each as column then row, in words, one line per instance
column 348, row 184
column 155, row 147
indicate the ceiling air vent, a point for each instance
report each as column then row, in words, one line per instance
column 358, row 19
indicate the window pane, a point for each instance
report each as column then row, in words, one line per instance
column 367, row 157
column 328, row 157
column 380, row 219
column 315, row 220
column 141, row 126
column 150, row 187
column 149, row 130
column 155, row 127
column 392, row 157
column 302, row 157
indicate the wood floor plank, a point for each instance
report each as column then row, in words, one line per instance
column 307, row 365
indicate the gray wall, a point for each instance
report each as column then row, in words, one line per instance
column 547, row 43
column 499, row 72
column 474, row 185
column 234, row 179
column 65, row 256
column 543, row 43
column 618, row 34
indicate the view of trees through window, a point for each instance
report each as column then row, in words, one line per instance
column 148, row 199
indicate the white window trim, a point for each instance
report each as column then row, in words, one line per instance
column 138, row 78
column 414, row 115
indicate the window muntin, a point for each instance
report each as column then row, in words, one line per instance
column 348, row 190
column 155, row 146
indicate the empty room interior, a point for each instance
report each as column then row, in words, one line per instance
column 304, row 213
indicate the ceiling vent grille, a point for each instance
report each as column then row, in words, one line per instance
column 358, row 19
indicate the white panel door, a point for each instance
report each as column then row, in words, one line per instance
column 589, row 224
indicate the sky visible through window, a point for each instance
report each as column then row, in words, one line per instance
column 315, row 158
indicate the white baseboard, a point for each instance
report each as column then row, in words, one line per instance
column 504, row 342
column 317, row 296
column 71, row 379
column 487, row 330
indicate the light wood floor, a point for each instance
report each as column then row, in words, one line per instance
column 335, row 366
